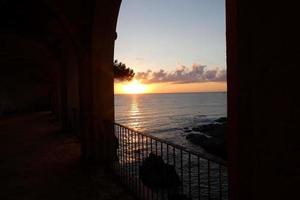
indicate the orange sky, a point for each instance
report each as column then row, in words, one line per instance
column 130, row 87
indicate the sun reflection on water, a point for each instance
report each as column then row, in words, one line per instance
column 134, row 113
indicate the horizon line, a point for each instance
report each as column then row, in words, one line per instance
column 170, row 93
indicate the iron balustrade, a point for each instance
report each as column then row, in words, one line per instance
column 201, row 176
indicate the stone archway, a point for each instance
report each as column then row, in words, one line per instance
column 81, row 40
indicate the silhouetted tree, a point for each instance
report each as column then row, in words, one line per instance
column 121, row 72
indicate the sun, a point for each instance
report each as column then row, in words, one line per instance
column 134, row 87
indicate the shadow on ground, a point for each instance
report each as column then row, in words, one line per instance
column 40, row 162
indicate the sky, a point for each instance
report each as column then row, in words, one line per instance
column 172, row 45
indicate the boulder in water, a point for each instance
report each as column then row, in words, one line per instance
column 157, row 174
column 221, row 120
column 196, row 138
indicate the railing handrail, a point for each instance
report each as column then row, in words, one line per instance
column 204, row 156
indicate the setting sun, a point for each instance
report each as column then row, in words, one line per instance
column 134, row 87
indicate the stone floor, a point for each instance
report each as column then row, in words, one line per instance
column 37, row 161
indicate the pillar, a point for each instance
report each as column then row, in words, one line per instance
column 96, row 83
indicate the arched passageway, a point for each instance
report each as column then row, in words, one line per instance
column 75, row 46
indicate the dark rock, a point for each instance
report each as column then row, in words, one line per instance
column 218, row 131
column 208, row 127
column 196, row 138
column 214, row 140
column 221, row 120
column 157, row 174
column 216, row 146
column 213, row 145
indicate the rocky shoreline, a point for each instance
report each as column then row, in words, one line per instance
column 212, row 137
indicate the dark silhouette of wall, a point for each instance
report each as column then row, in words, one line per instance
column 263, row 103
column 70, row 45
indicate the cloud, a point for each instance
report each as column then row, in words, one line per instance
column 198, row 73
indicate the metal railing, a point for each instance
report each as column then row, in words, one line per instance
column 200, row 176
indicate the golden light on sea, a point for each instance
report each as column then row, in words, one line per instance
column 133, row 87
column 136, row 87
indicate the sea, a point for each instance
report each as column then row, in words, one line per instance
column 170, row 116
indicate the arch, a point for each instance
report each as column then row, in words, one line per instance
column 39, row 23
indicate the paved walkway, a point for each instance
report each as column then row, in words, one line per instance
column 38, row 162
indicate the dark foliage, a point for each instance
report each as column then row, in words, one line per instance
column 121, row 72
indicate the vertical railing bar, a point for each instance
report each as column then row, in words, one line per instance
column 163, row 176
column 155, row 147
column 135, row 158
column 220, row 181
column 140, row 184
column 161, row 150
column 181, row 171
column 123, row 140
column 146, row 147
column 157, row 190
column 119, row 154
column 131, row 159
column 142, row 149
column 126, row 153
column 174, row 157
column 119, row 149
column 151, row 148
column 156, row 153
column 128, row 157
column 113, row 164
column 208, row 179
column 143, row 157
column 117, row 137
column 147, row 153
column 199, row 186
column 167, row 163
column 190, row 175
column 122, row 153
column 115, row 134
column 167, row 154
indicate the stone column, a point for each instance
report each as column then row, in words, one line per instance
column 96, row 85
